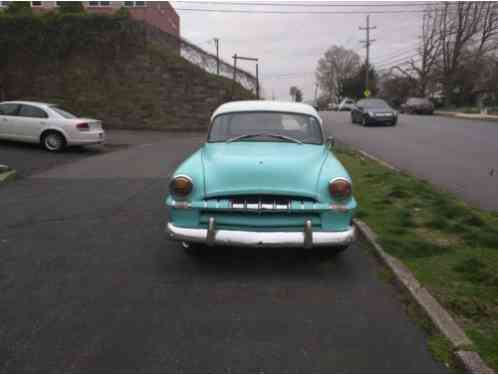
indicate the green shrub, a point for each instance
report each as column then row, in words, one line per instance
column 123, row 12
column 471, row 110
column 19, row 8
column 493, row 110
column 71, row 7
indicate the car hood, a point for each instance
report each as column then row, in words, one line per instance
column 262, row 168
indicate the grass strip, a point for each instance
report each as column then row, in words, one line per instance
column 450, row 247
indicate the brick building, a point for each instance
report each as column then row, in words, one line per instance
column 157, row 13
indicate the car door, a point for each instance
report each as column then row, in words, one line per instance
column 30, row 122
column 8, row 113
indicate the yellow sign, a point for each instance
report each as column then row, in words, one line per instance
column 366, row 93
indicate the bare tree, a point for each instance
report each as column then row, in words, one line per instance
column 296, row 94
column 292, row 92
column 466, row 31
column 336, row 65
column 299, row 96
column 457, row 51
column 488, row 30
column 429, row 51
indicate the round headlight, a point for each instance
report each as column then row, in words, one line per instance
column 340, row 188
column 181, row 186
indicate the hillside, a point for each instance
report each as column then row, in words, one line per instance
column 108, row 67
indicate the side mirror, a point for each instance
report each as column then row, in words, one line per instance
column 330, row 142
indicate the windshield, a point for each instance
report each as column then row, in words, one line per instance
column 63, row 113
column 303, row 128
column 373, row 103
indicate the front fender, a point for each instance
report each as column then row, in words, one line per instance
column 332, row 168
column 194, row 168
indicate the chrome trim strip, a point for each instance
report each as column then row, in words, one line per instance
column 260, row 239
column 340, row 178
column 252, row 206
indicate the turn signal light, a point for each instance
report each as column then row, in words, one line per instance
column 181, row 186
column 340, row 189
column 83, row 127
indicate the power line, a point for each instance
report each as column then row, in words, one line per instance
column 245, row 11
column 390, row 67
column 397, row 61
column 310, row 4
column 287, row 75
column 395, row 56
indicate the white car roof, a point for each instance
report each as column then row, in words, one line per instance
column 28, row 103
column 265, row 106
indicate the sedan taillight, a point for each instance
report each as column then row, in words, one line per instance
column 83, row 127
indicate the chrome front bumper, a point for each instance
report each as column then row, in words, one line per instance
column 307, row 238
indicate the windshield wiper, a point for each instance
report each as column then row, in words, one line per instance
column 243, row 136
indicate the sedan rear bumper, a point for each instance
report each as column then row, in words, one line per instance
column 307, row 238
column 87, row 138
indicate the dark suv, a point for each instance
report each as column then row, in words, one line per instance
column 418, row 105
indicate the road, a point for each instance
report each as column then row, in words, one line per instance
column 90, row 283
column 458, row 155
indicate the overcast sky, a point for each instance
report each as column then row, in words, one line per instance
column 290, row 44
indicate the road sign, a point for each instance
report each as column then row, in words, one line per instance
column 366, row 93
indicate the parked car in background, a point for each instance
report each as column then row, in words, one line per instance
column 346, row 105
column 333, row 106
column 373, row 111
column 418, row 105
column 48, row 125
column 266, row 177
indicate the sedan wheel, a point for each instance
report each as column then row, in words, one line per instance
column 53, row 141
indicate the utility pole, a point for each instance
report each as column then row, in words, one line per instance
column 257, row 81
column 316, row 90
column 235, row 58
column 217, row 44
column 234, row 73
column 367, row 43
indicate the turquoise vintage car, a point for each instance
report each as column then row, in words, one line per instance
column 266, row 177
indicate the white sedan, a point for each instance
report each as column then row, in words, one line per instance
column 48, row 125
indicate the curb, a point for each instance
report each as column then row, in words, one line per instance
column 467, row 116
column 469, row 360
column 381, row 162
column 8, row 176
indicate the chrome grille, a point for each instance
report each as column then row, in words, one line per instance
column 261, row 203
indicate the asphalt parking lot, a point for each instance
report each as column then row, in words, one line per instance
column 90, row 283
column 457, row 155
